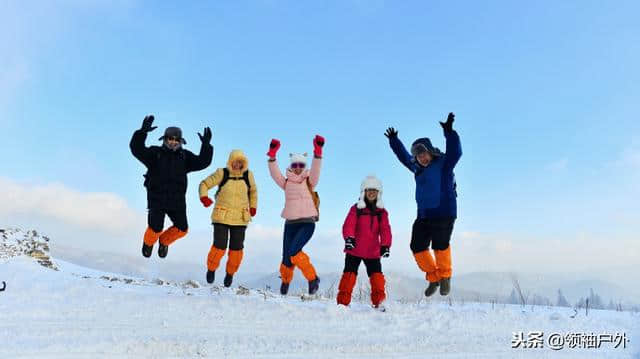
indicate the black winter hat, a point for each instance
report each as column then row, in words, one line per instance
column 173, row 132
column 424, row 145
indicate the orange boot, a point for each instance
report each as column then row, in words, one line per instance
column 443, row 259
column 286, row 274
column 150, row 238
column 377, row 289
column 301, row 260
column 171, row 235
column 443, row 262
column 428, row 265
column 233, row 263
column 347, row 282
column 214, row 257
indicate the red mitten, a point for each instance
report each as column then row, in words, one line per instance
column 318, row 143
column 206, row 201
column 252, row 211
column 274, row 146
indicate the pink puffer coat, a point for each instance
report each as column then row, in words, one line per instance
column 298, row 201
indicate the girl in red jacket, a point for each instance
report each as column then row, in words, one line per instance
column 367, row 236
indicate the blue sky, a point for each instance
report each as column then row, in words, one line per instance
column 545, row 95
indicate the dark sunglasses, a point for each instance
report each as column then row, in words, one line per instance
column 297, row 165
column 174, row 138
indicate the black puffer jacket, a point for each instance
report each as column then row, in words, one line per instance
column 166, row 177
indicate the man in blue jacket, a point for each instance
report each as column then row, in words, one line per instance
column 436, row 198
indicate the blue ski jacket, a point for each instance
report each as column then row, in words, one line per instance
column 435, row 183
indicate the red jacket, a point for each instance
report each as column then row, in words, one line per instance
column 371, row 231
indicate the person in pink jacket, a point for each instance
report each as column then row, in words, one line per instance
column 300, row 211
column 367, row 236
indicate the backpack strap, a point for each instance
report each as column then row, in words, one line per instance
column 245, row 177
column 226, row 176
column 225, row 179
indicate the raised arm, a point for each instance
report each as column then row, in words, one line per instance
column 454, row 148
column 277, row 176
column 398, row 148
column 316, row 164
column 137, row 146
column 203, row 160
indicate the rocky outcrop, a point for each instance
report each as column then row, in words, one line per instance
column 15, row 242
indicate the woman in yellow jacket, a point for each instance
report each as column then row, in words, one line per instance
column 236, row 203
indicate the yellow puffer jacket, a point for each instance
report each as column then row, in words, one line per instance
column 232, row 203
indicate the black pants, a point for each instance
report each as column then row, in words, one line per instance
column 352, row 263
column 222, row 233
column 155, row 219
column 431, row 232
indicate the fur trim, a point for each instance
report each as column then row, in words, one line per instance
column 370, row 182
column 298, row 158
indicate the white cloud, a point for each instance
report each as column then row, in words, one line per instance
column 107, row 213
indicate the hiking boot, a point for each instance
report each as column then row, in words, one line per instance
column 147, row 250
column 228, row 279
column 211, row 276
column 284, row 288
column 433, row 286
column 445, row 286
column 314, row 285
column 162, row 250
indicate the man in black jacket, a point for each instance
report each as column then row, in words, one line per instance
column 166, row 181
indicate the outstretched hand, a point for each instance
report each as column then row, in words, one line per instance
column 274, row 146
column 318, row 143
column 448, row 126
column 147, row 124
column 206, row 137
column 391, row 133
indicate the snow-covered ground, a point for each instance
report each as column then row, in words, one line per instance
column 76, row 312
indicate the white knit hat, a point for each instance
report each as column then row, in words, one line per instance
column 298, row 157
column 370, row 182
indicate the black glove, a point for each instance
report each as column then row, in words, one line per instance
column 349, row 243
column 448, row 126
column 146, row 124
column 391, row 133
column 206, row 138
column 384, row 252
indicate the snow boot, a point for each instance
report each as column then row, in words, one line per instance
column 228, row 279
column 233, row 263
column 431, row 289
column 377, row 289
column 284, row 288
column 347, row 282
column 445, row 286
column 286, row 273
column 147, row 250
column 163, row 250
column 211, row 276
column 314, row 285
column 171, row 235
column 301, row 260
column 214, row 257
